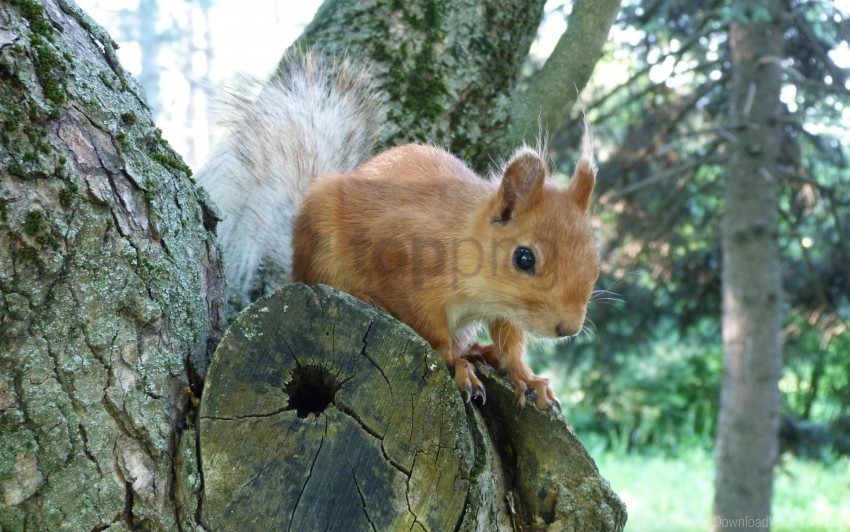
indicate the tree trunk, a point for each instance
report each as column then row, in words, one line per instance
column 747, row 432
column 451, row 72
column 111, row 288
column 355, row 424
column 447, row 70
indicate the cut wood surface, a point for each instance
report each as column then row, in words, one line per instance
column 320, row 412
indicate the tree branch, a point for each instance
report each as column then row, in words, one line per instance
column 839, row 75
column 554, row 89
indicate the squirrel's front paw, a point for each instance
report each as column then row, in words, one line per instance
column 467, row 381
column 546, row 399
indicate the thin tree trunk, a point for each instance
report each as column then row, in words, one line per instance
column 552, row 92
column 747, row 432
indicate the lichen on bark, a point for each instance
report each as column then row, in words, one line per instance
column 104, row 267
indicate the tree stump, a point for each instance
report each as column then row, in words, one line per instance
column 320, row 412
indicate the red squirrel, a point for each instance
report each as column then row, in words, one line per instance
column 417, row 233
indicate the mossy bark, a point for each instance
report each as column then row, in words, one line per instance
column 323, row 413
column 453, row 71
column 110, row 288
column 449, row 68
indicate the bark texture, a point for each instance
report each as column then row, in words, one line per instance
column 747, row 432
column 110, row 288
column 355, row 424
column 452, row 73
column 449, row 70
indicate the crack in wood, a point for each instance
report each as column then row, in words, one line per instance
column 359, row 492
column 68, row 390
column 127, row 513
column 254, row 479
column 407, row 472
column 412, row 418
column 125, row 424
column 366, row 355
column 407, row 498
column 248, row 416
column 309, row 475
column 345, row 409
column 291, row 352
column 173, row 488
column 86, row 449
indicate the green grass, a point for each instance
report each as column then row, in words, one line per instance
column 665, row 493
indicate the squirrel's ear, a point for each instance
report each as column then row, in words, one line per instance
column 522, row 186
column 581, row 185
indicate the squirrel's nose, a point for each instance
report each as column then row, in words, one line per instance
column 562, row 330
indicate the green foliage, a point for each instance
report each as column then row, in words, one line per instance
column 816, row 380
column 652, row 374
column 662, row 393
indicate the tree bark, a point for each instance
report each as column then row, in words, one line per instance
column 355, row 424
column 748, row 424
column 452, row 74
column 449, row 72
column 110, row 288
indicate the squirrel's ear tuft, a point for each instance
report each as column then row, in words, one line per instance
column 584, row 178
column 582, row 183
column 522, row 185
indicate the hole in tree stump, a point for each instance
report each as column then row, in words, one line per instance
column 311, row 389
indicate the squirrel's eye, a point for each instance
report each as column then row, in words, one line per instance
column 524, row 259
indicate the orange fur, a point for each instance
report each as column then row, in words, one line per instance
column 419, row 234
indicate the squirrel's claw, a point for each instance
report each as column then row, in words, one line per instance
column 544, row 397
column 553, row 406
column 520, row 402
column 467, row 381
column 481, row 393
column 478, row 392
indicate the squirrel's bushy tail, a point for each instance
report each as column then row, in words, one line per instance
column 317, row 116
